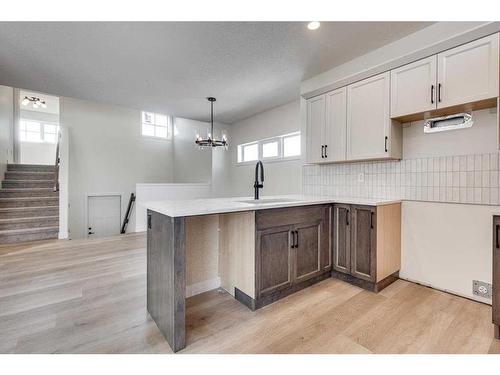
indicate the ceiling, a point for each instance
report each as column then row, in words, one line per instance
column 171, row 67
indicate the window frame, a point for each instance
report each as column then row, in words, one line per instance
column 155, row 125
column 41, row 132
column 280, row 158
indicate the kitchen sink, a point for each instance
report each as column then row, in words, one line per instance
column 269, row 201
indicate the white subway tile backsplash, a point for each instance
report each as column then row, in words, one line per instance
column 459, row 178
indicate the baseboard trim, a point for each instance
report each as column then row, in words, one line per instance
column 202, row 287
column 367, row 285
column 245, row 299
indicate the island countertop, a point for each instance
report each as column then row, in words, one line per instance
column 208, row 206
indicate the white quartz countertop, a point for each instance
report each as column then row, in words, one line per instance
column 195, row 207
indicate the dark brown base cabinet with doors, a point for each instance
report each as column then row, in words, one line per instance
column 496, row 275
column 292, row 250
column 367, row 244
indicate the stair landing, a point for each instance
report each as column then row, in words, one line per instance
column 29, row 206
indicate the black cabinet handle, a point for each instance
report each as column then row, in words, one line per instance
column 322, row 152
column 385, row 143
column 496, row 235
column 292, row 233
column 347, row 217
column 149, row 221
column 439, row 92
column 296, row 239
column 326, row 154
column 432, row 94
column 371, row 220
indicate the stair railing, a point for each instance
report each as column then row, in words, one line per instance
column 57, row 162
column 129, row 212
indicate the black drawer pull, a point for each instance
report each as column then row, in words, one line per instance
column 149, row 221
column 326, row 148
column 322, row 151
column 347, row 217
column 496, row 235
column 385, row 144
column 371, row 220
column 439, row 92
column 432, row 94
column 296, row 239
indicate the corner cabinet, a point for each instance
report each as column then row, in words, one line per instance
column 367, row 244
column 292, row 250
column 353, row 123
column 371, row 134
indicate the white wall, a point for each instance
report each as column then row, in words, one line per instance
column 447, row 246
column 37, row 153
column 281, row 177
column 6, row 127
column 107, row 154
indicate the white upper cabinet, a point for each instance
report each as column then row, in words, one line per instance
column 315, row 129
column 413, row 87
column 370, row 132
column 335, row 131
column 468, row 73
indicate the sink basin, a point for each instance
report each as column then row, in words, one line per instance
column 269, row 201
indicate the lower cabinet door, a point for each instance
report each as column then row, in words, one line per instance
column 308, row 251
column 363, row 242
column 273, row 255
column 496, row 270
column 341, row 238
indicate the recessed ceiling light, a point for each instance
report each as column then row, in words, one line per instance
column 313, row 25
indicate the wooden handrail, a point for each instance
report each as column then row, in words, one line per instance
column 57, row 162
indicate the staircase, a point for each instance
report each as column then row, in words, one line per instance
column 29, row 206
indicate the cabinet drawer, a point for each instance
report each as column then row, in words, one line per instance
column 288, row 216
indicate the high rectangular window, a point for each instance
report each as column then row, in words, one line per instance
column 155, row 125
column 278, row 148
column 36, row 131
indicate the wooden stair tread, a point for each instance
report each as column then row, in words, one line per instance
column 27, row 219
column 26, row 199
column 22, row 190
column 27, row 230
column 4, row 209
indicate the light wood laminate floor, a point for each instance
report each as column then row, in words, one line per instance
column 89, row 296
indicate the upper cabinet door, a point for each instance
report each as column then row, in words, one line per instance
column 368, row 118
column 413, row 87
column 336, row 125
column 468, row 73
column 315, row 129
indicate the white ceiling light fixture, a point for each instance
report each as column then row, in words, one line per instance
column 36, row 102
column 313, row 25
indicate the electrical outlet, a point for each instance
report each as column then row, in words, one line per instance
column 361, row 177
column 481, row 289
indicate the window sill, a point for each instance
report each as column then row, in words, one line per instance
column 266, row 161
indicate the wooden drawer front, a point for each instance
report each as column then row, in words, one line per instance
column 288, row 216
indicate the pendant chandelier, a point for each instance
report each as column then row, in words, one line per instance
column 211, row 141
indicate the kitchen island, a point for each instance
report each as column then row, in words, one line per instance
column 261, row 251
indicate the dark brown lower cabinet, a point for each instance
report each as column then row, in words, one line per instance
column 496, row 275
column 367, row 244
column 292, row 250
